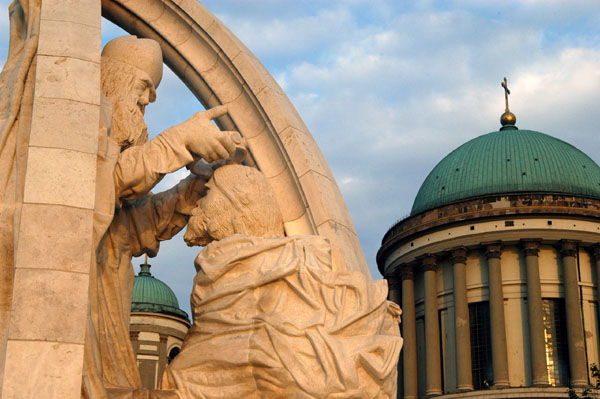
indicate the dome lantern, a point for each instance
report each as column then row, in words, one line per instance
column 508, row 120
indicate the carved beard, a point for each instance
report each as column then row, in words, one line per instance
column 210, row 221
column 197, row 231
column 129, row 127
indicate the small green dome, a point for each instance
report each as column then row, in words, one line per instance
column 152, row 295
column 509, row 161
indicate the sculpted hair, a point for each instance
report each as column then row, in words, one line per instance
column 117, row 79
column 256, row 211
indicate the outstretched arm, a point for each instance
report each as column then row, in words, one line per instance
column 158, row 217
column 140, row 168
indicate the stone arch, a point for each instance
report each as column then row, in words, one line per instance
column 219, row 69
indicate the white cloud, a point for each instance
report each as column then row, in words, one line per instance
column 388, row 88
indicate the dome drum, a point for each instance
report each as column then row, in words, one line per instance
column 496, row 207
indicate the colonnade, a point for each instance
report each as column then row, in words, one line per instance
column 428, row 264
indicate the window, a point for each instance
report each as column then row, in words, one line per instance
column 481, row 345
column 555, row 335
column 172, row 354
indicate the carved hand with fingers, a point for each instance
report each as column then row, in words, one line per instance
column 204, row 139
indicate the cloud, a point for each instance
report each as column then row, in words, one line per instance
column 389, row 88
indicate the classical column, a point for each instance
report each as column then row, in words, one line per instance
column 395, row 295
column 432, row 329
column 394, row 289
column 461, row 319
column 134, row 337
column 539, row 371
column 409, row 329
column 162, row 356
column 595, row 252
column 497, row 323
column 576, row 340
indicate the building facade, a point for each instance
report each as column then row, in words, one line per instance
column 496, row 270
column 157, row 326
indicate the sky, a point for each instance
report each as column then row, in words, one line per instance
column 388, row 88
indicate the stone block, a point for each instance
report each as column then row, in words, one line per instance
column 280, row 110
column 49, row 370
column 198, row 12
column 147, row 11
column 68, row 78
column 69, row 39
column 55, row 237
column 345, row 248
column 222, row 82
column 325, row 199
column 288, row 195
column 84, row 12
column 61, row 177
column 246, row 116
column 267, row 154
column 198, row 53
column 49, row 305
column 227, row 41
column 59, row 123
column 304, row 152
column 172, row 28
column 250, row 68
column 301, row 226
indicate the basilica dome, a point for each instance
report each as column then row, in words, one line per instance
column 505, row 162
column 152, row 295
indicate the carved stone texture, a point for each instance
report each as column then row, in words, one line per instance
column 429, row 262
column 269, row 310
column 458, row 255
column 407, row 272
column 568, row 248
column 531, row 247
column 129, row 220
column 493, row 250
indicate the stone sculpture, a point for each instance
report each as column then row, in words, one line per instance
column 50, row 110
column 271, row 316
column 129, row 220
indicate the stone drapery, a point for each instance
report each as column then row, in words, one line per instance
column 272, row 319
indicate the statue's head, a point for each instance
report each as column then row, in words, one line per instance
column 131, row 72
column 239, row 201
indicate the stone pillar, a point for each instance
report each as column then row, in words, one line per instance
column 539, row 370
column 595, row 252
column 576, row 340
column 49, row 313
column 394, row 289
column 432, row 329
column 461, row 319
column 162, row 357
column 409, row 329
column 134, row 336
column 395, row 295
column 497, row 322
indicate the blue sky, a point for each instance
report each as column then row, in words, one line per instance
column 388, row 88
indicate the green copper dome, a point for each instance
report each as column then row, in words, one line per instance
column 509, row 161
column 152, row 295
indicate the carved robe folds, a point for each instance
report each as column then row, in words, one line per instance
column 271, row 319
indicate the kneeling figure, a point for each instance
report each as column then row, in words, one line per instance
column 271, row 317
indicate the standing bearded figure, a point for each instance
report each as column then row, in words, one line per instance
column 129, row 220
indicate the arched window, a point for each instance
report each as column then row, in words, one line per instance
column 173, row 353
